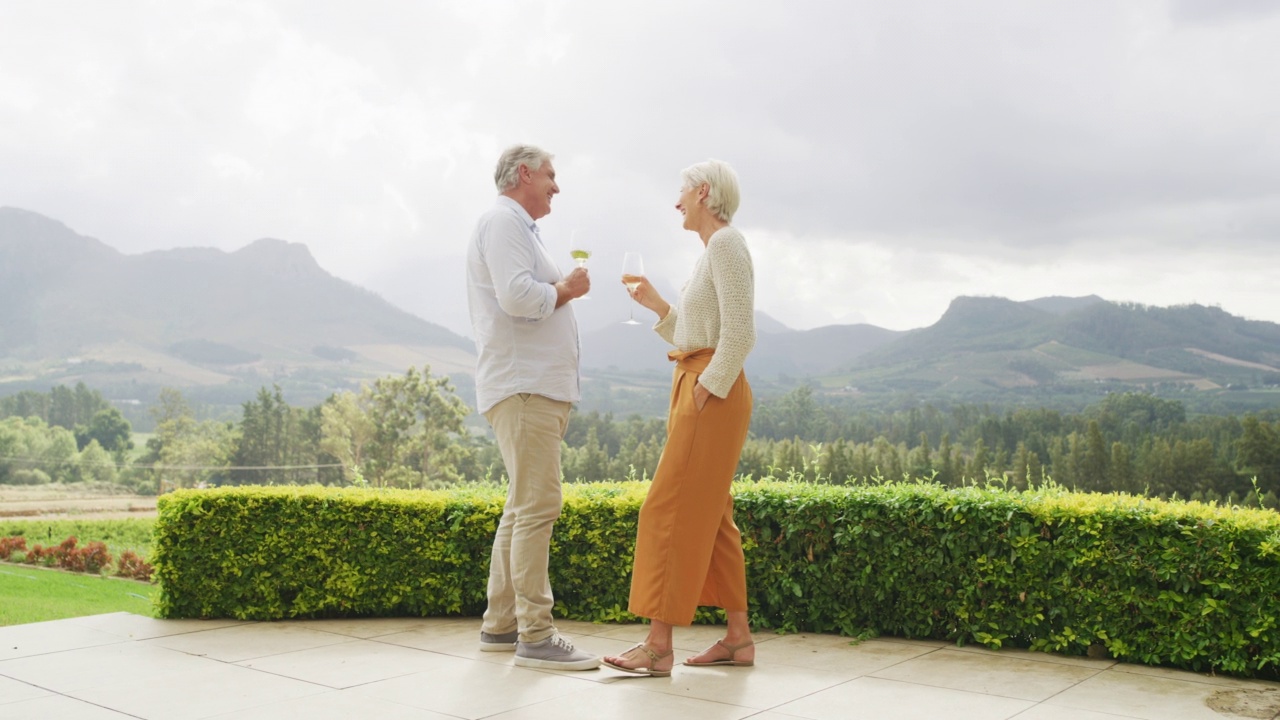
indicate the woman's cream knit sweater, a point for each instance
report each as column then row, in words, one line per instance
column 717, row 310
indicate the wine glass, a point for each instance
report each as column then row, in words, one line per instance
column 632, row 269
column 580, row 252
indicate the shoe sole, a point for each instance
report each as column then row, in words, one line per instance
column 497, row 647
column 590, row 664
column 641, row 671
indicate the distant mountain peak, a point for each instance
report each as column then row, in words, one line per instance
column 34, row 240
column 279, row 257
column 1061, row 305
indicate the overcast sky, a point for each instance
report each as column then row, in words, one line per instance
column 893, row 154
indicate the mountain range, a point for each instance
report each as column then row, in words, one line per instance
column 72, row 308
column 196, row 316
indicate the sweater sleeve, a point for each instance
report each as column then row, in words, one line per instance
column 734, row 278
column 666, row 327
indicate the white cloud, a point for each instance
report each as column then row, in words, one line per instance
column 893, row 155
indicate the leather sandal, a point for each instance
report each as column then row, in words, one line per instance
column 731, row 660
column 639, row 652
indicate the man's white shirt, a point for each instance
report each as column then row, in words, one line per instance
column 524, row 344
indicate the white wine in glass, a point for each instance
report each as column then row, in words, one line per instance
column 580, row 254
column 632, row 270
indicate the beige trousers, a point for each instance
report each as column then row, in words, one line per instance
column 529, row 429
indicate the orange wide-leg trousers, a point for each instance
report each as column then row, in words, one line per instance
column 688, row 549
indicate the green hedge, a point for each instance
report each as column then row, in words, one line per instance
column 1161, row 583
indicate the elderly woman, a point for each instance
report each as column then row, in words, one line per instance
column 688, row 549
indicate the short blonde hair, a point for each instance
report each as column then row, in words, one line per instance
column 507, row 174
column 723, row 194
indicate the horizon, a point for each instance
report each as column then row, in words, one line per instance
column 608, row 323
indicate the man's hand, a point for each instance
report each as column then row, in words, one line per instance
column 574, row 285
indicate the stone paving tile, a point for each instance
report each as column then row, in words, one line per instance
column 120, row 665
column 989, row 674
column 13, row 690
column 366, row 628
column 61, row 708
column 335, row 705
column 348, row 664
column 190, row 694
column 470, row 689
column 1162, row 698
column 760, row 687
column 835, row 654
column 137, row 627
column 18, row 641
column 109, row 665
column 624, row 703
column 871, row 697
column 245, row 642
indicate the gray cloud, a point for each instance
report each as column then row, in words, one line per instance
column 948, row 141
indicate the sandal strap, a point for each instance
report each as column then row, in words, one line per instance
column 733, row 649
column 653, row 655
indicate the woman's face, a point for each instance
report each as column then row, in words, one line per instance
column 689, row 204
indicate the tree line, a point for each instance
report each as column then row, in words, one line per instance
column 413, row 431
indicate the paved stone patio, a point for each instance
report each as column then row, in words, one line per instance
column 121, row 665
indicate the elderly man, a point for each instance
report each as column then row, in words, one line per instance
column 526, row 382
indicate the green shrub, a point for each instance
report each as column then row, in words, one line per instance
column 1154, row 582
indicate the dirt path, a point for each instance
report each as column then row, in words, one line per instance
column 68, row 502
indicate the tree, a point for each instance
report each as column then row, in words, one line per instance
column 183, row 452
column 1092, row 470
column 1258, row 452
column 35, row 452
column 109, row 429
column 346, row 431
column 418, row 437
column 275, row 435
column 1121, row 469
column 95, row 464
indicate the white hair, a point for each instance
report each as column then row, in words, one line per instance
column 723, row 194
column 507, row 175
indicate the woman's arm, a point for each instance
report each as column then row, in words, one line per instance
column 734, row 278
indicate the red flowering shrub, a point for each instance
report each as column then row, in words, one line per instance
column 65, row 554
column 40, row 555
column 133, row 566
column 89, row 559
column 11, row 545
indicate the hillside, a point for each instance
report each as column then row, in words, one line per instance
column 779, row 350
column 984, row 345
column 72, row 308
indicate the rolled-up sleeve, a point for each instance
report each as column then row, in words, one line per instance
column 666, row 327
column 512, row 261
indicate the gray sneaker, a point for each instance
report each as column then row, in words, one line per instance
column 501, row 642
column 554, row 653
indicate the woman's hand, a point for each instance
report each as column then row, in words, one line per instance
column 646, row 295
column 700, row 395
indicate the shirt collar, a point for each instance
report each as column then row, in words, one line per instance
column 519, row 210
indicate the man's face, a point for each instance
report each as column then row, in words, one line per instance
column 542, row 186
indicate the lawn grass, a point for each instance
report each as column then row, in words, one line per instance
column 30, row 595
